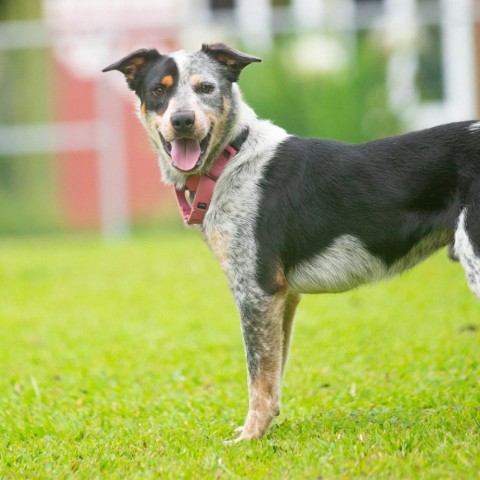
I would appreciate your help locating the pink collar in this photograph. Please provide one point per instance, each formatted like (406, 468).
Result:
(202, 188)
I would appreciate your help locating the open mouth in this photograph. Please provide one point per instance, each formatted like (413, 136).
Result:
(186, 153)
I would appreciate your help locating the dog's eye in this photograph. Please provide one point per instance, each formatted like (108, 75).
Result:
(206, 88)
(159, 91)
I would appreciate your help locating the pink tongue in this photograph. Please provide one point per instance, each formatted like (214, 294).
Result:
(185, 153)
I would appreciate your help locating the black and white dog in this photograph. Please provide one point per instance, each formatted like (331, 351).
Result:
(286, 215)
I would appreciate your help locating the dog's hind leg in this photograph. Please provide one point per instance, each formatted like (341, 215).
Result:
(262, 326)
(467, 244)
(291, 304)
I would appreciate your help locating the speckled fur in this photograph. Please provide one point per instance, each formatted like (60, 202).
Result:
(469, 259)
(260, 222)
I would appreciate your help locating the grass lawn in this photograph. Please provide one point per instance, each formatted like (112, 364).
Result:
(125, 361)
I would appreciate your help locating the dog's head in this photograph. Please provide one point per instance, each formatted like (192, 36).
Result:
(185, 102)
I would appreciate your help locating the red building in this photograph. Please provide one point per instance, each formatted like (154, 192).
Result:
(107, 171)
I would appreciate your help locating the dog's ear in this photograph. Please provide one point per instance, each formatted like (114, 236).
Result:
(132, 64)
(232, 59)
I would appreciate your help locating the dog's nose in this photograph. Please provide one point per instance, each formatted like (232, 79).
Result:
(183, 122)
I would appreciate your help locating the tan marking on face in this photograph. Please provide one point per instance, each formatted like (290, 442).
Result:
(167, 81)
(143, 109)
(196, 79)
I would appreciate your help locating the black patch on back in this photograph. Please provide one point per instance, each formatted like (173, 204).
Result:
(389, 193)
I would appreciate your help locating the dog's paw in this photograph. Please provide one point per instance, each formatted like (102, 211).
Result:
(241, 438)
(238, 431)
(229, 443)
(245, 435)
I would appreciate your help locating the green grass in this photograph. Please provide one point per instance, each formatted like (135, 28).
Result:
(125, 361)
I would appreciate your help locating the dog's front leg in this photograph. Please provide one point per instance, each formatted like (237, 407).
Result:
(262, 327)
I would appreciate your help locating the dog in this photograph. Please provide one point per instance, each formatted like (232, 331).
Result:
(286, 215)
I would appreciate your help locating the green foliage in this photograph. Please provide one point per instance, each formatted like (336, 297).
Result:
(349, 105)
(125, 361)
(27, 182)
(28, 197)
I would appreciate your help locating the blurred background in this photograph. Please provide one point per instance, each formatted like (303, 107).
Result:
(73, 156)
